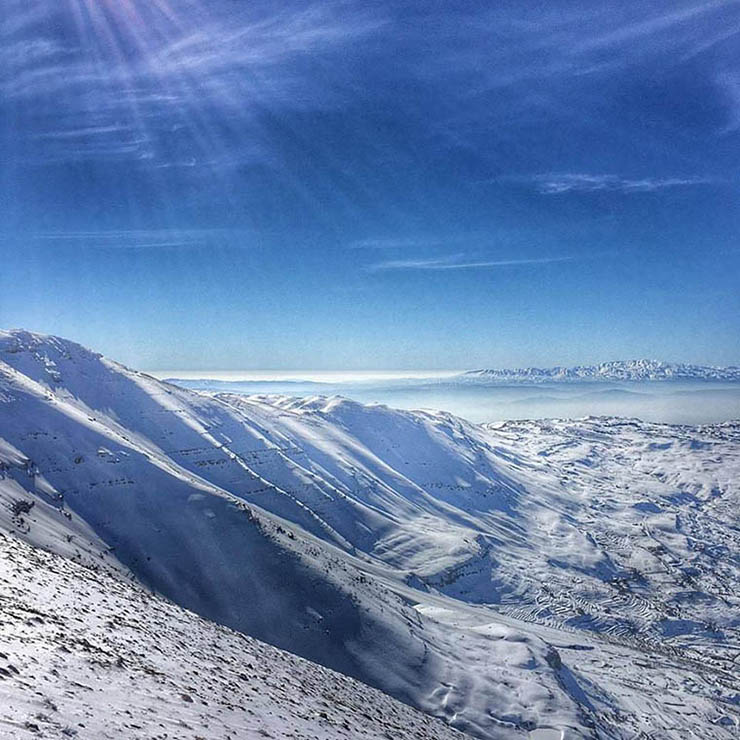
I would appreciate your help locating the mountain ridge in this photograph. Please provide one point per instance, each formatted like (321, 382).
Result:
(617, 370)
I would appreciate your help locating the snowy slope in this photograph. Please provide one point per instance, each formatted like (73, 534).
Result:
(629, 370)
(84, 654)
(510, 578)
(175, 485)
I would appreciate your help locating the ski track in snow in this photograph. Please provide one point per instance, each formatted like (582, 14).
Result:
(543, 579)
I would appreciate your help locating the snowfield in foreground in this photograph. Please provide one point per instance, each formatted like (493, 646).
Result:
(84, 654)
(544, 580)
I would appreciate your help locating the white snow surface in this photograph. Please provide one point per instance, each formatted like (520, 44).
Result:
(526, 579)
(88, 655)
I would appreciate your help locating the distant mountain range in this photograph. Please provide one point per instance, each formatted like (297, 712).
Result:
(629, 370)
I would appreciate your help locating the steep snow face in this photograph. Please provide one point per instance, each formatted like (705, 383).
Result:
(508, 578)
(97, 450)
(630, 370)
(87, 655)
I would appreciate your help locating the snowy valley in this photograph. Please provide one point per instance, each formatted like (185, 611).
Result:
(536, 579)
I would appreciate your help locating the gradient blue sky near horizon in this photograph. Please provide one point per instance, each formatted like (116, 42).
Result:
(346, 185)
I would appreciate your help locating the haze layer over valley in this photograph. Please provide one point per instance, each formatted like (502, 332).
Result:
(543, 579)
(646, 389)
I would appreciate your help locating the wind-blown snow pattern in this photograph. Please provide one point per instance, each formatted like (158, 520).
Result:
(562, 579)
(630, 370)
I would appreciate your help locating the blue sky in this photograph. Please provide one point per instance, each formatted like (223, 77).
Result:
(237, 185)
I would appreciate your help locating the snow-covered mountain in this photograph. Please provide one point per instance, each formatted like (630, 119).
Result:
(525, 579)
(630, 370)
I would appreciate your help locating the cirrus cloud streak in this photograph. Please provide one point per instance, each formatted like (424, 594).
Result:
(552, 184)
(461, 262)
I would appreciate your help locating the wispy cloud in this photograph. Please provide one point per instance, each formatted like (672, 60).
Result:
(143, 238)
(83, 132)
(105, 141)
(263, 43)
(460, 262)
(647, 28)
(407, 242)
(553, 184)
(129, 68)
(730, 85)
(549, 63)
